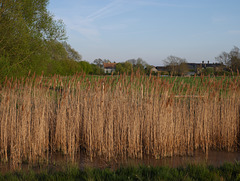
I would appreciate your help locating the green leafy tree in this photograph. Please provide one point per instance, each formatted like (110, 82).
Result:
(96, 70)
(85, 67)
(125, 67)
(72, 54)
(27, 29)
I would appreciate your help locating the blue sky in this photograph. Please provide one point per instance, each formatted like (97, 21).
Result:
(118, 30)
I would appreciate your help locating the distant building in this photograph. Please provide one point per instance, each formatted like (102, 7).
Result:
(196, 68)
(109, 67)
(210, 65)
(153, 69)
(163, 70)
(193, 67)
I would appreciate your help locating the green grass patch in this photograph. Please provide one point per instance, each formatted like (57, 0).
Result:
(228, 171)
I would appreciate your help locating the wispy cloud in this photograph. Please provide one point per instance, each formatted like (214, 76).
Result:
(107, 10)
(87, 26)
(84, 28)
(113, 27)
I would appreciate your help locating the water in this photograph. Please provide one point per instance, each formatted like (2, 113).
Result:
(215, 158)
(57, 161)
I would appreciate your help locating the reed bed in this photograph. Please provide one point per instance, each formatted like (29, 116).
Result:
(117, 117)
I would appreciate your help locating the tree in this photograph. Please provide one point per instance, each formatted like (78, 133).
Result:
(125, 67)
(96, 70)
(183, 68)
(72, 54)
(231, 59)
(138, 64)
(98, 62)
(176, 65)
(56, 50)
(138, 61)
(27, 29)
(106, 61)
(85, 67)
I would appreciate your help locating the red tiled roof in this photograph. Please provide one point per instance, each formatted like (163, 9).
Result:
(109, 65)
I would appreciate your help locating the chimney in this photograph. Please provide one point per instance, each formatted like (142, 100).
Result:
(208, 62)
(202, 62)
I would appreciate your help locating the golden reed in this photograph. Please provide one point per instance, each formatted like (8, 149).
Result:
(117, 117)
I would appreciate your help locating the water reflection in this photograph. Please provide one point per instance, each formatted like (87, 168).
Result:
(215, 158)
(58, 161)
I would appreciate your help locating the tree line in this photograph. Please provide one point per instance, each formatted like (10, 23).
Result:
(131, 65)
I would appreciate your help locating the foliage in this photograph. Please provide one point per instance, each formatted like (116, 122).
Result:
(133, 65)
(85, 67)
(26, 27)
(125, 67)
(72, 54)
(96, 70)
(138, 65)
(32, 41)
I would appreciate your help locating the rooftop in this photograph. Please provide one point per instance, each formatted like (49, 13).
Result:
(109, 65)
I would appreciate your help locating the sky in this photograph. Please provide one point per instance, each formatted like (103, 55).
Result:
(119, 30)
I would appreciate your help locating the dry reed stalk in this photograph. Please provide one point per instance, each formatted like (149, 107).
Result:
(116, 118)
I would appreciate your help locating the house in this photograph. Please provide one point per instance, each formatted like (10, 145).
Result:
(109, 67)
(163, 70)
(198, 67)
(153, 69)
(193, 67)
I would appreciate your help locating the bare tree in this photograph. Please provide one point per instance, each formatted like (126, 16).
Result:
(138, 64)
(106, 61)
(231, 59)
(98, 62)
(176, 65)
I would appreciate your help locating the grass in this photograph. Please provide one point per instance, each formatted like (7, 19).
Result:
(228, 171)
(117, 116)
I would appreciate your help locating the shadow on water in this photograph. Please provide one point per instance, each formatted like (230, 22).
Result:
(215, 158)
(58, 162)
